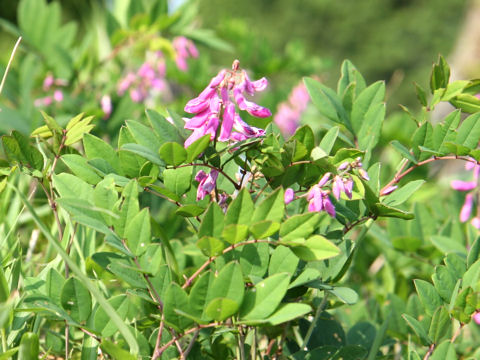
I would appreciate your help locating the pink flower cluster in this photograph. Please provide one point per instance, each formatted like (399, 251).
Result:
(52, 85)
(184, 48)
(318, 196)
(469, 186)
(206, 184)
(216, 107)
(150, 76)
(289, 112)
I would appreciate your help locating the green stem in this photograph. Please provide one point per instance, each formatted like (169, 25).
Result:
(320, 308)
(4, 340)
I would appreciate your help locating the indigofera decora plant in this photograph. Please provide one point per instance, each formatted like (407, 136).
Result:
(211, 237)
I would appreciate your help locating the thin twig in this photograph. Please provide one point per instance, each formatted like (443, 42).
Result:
(158, 353)
(235, 184)
(429, 352)
(400, 174)
(191, 344)
(9, 63)
(189, 281)
(320, 308)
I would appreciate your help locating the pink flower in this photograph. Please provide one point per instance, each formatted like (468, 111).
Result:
(219, 97)
(289, 112)
(463, 185)
(476, 222)
(476, 317)
(48, 82)
(106, 104)
(184, 48)
(319, 201)
(206, 183)
(289, 196)
(466, 208)
(389, 190)
(58, 95)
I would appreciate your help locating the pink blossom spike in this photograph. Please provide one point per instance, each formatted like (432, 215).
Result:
(463, 185)
(201, 175)
(363, 174)
(48, 82)
(389, 190)
(338, 187)
(466, 210)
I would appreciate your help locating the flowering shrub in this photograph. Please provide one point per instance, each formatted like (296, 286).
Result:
(214, 237)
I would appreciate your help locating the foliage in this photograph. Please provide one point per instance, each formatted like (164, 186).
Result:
(133, 237)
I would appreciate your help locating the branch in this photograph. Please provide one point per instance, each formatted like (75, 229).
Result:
(213, 258)
(400, 173)
(235, 184)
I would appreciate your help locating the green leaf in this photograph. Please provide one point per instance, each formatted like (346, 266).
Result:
(29, 347)
(241, 209)
(212, 222)
(144, 152)
(444, 281)
(54, 283)
(173, 153)
(313, 249)
(288, 312)
(446, 244)
(176, 298)
(97, 148)
(418, 328)
(440, 74)
(221, 308)
(283, 260)
(163, 128)
(228, 283)
(190, 210)
(17, 147)
(235, 233)
(328, 140)
(467, 103)
(69, 186)
(116, 352)
(444, 351)
(198, 295)
(265, 298)
(210, 246)
(404, 151)
(254, 259)
(138, 232)
(144, 136)
(327, 102)
(77, 131)
(272, 208)
(178, 180)
(423, 136)
(4, 288)
(440, 325)
(346, 295)
(264, 229)
(80, 167)
(350, 75)
(401, 195)
(367, 99)
(421, 94)
(429, 297)
(304, 135)
(388, 211)
(197, 147)
(76, 299)
(474, 252)
(299, 226)
(468, 134)
(370, 129)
